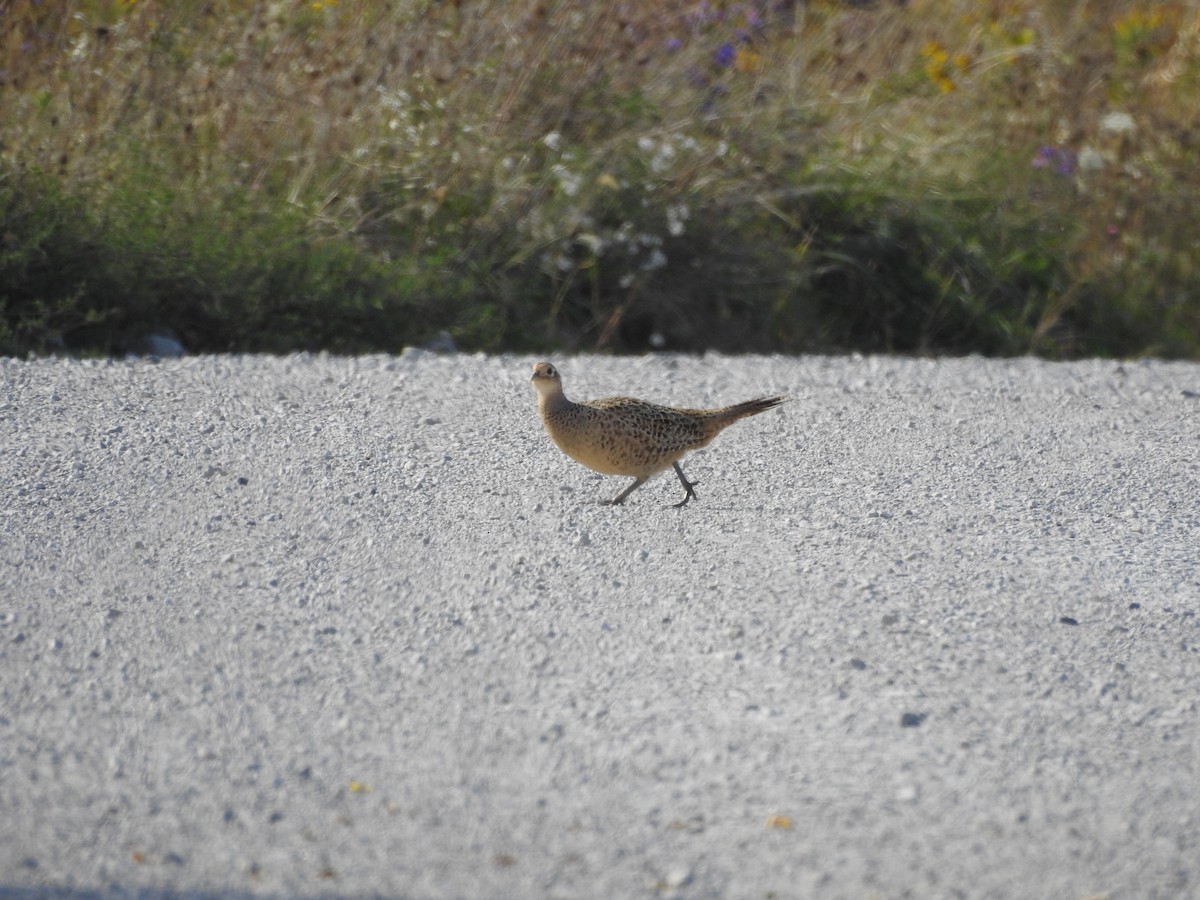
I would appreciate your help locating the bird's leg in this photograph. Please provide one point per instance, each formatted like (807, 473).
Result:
(687, 486)
(620, 498)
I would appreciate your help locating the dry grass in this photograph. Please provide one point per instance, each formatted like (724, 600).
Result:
(936, 176)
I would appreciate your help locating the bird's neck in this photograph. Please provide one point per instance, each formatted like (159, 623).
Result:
(553, 402)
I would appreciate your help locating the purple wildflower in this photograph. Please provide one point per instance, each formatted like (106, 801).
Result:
(725, 56)
(673, 44)
(1066, 163)
(1062, 161)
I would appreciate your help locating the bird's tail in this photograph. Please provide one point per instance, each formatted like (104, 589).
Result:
(729, 414)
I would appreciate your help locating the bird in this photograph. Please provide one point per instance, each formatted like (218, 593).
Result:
(624, 436)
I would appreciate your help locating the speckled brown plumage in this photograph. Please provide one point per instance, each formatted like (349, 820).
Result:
(624, 436)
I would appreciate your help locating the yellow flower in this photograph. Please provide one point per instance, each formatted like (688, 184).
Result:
(747, 61)
(935, 53)
(935, 66)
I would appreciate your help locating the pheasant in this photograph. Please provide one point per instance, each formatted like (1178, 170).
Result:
(624, 436)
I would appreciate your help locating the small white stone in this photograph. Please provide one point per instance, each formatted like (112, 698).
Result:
(677, 877)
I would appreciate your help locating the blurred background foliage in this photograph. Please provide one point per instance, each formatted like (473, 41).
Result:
(1000, 177)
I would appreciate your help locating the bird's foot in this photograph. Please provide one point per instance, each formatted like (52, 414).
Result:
(687, 485)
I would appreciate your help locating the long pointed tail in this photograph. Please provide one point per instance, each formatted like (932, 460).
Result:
(726, 415)
(729, 414)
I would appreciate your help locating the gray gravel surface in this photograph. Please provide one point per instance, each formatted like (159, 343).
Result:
(326, 626)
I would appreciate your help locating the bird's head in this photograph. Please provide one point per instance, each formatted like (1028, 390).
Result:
(546, 379)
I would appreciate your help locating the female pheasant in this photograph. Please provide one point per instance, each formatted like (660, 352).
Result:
(624, 436)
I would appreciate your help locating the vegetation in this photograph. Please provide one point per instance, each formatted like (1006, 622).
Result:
(1007, 177)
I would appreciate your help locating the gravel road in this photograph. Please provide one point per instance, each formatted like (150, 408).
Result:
(351, 627)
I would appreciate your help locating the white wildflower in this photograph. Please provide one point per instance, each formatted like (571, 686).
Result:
(394, 99)
(1091, 159)
(593, 242)
(568, 182)
(1118, 123)
(663, 159)
(657, 260)
(677, 215)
